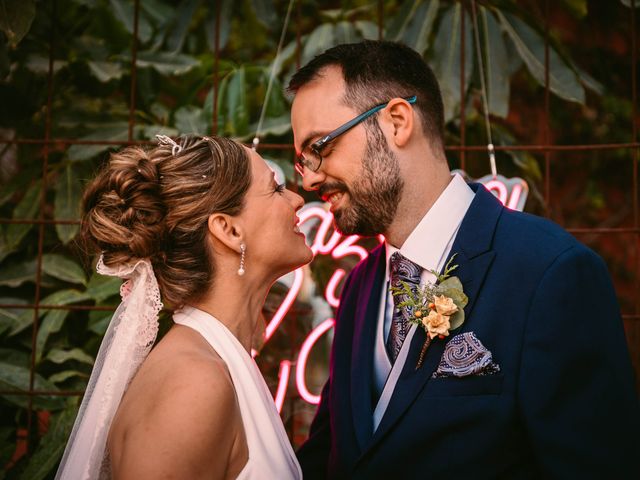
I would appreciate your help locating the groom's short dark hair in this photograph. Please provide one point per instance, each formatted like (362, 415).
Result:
(375, 72)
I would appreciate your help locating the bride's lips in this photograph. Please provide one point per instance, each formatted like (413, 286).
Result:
(296, 226)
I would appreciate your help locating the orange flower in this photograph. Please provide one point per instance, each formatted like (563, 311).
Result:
(445, 305)
(436, 324)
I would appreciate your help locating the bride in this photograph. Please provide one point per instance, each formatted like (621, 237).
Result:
(203, 227)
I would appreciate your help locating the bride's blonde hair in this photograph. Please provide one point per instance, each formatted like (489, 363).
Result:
(154, 204)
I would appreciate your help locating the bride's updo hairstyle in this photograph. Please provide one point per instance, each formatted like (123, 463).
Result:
(155, 204)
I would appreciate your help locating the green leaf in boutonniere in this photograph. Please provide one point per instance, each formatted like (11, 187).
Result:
(436, 307)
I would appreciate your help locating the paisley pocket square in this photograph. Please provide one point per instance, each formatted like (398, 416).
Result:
(465, 355)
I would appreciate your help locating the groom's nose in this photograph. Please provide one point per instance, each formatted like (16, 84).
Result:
(312, 180)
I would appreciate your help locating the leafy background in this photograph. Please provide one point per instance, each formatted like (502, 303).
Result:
(180, 86)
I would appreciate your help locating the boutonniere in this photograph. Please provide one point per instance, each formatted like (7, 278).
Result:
(437, 307)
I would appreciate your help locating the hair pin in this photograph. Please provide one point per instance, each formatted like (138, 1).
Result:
(164, 140)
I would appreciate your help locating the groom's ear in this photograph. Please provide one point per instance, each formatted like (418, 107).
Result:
(226, 230)
(400, 116)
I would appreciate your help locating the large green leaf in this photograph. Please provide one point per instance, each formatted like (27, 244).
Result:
(61, 297)
(16, 378)
(225, 7)
(18, 182)
(63, 268)
(271, 126)
(266, 12)
(123, 11)
(65, 297)
(180, 25)
(10, 317)
(368, 30)
(190, 119)
(318, 41)
(158, 11)
(563, 81)
(588, 81)
(67, 202)
(236, 103)
(285, 54)
(150, 131)
(63, 376)
(57, 355)
(52, 323)
(419, 29)
(400, 21)
(167, 63)
(99, 321)
(25, 210)
(496, 64)
(101, 287)
(14, 356)
(344, 32)
(15, 275)
(16, 17)
(105, 71)
(447, 61)
(39, 64)
(52, 444)
(112, 132)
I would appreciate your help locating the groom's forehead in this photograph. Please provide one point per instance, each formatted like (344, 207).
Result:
(319, 106)
(323, 91)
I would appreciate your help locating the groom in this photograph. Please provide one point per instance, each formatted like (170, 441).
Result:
(537, 381)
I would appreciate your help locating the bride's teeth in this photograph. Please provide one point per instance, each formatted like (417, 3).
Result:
(296, 229)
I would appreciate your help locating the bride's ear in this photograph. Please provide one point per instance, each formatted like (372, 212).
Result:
(226, 230)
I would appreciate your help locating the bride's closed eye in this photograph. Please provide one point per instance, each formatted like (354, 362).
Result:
(280, 188)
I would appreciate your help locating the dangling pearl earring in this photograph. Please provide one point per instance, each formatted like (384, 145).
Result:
(243, 249)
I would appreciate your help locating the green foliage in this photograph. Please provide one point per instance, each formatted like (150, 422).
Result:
(46, 458)
(15, 19)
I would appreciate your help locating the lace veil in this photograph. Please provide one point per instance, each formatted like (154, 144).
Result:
(127, 342)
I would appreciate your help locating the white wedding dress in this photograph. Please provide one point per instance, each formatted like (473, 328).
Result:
(270, 454)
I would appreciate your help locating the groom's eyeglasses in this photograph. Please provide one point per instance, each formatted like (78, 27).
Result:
(311, 156)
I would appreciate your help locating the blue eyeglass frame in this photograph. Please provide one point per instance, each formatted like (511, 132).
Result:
(316, 147)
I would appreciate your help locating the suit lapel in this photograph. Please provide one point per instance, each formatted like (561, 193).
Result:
(474, 257)
(366, 319)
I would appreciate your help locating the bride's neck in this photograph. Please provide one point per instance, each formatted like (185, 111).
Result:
(237, 303)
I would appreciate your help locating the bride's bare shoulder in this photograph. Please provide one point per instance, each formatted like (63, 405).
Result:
(182, 404)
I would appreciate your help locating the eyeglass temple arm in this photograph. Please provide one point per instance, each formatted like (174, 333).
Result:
(352, 123)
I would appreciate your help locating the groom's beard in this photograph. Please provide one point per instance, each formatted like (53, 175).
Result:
(373, 197)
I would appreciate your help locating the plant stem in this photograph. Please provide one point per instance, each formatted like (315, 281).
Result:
(423, 352)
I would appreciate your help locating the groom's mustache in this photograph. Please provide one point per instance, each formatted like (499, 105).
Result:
(333, 187)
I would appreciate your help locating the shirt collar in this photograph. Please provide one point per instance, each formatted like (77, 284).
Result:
(430, 238)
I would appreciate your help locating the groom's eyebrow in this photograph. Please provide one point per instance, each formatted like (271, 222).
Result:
(309, 138)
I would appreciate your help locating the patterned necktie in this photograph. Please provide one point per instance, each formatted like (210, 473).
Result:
(401, 269)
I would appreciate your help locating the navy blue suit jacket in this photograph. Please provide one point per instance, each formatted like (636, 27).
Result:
(564, 404)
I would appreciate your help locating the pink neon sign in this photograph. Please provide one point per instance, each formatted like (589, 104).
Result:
(301, 367)
(327, 241)
(512, 192)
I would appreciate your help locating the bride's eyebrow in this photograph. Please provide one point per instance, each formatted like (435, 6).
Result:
(270, 181)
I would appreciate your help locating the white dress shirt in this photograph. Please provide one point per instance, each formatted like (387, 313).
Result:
(428, 245)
